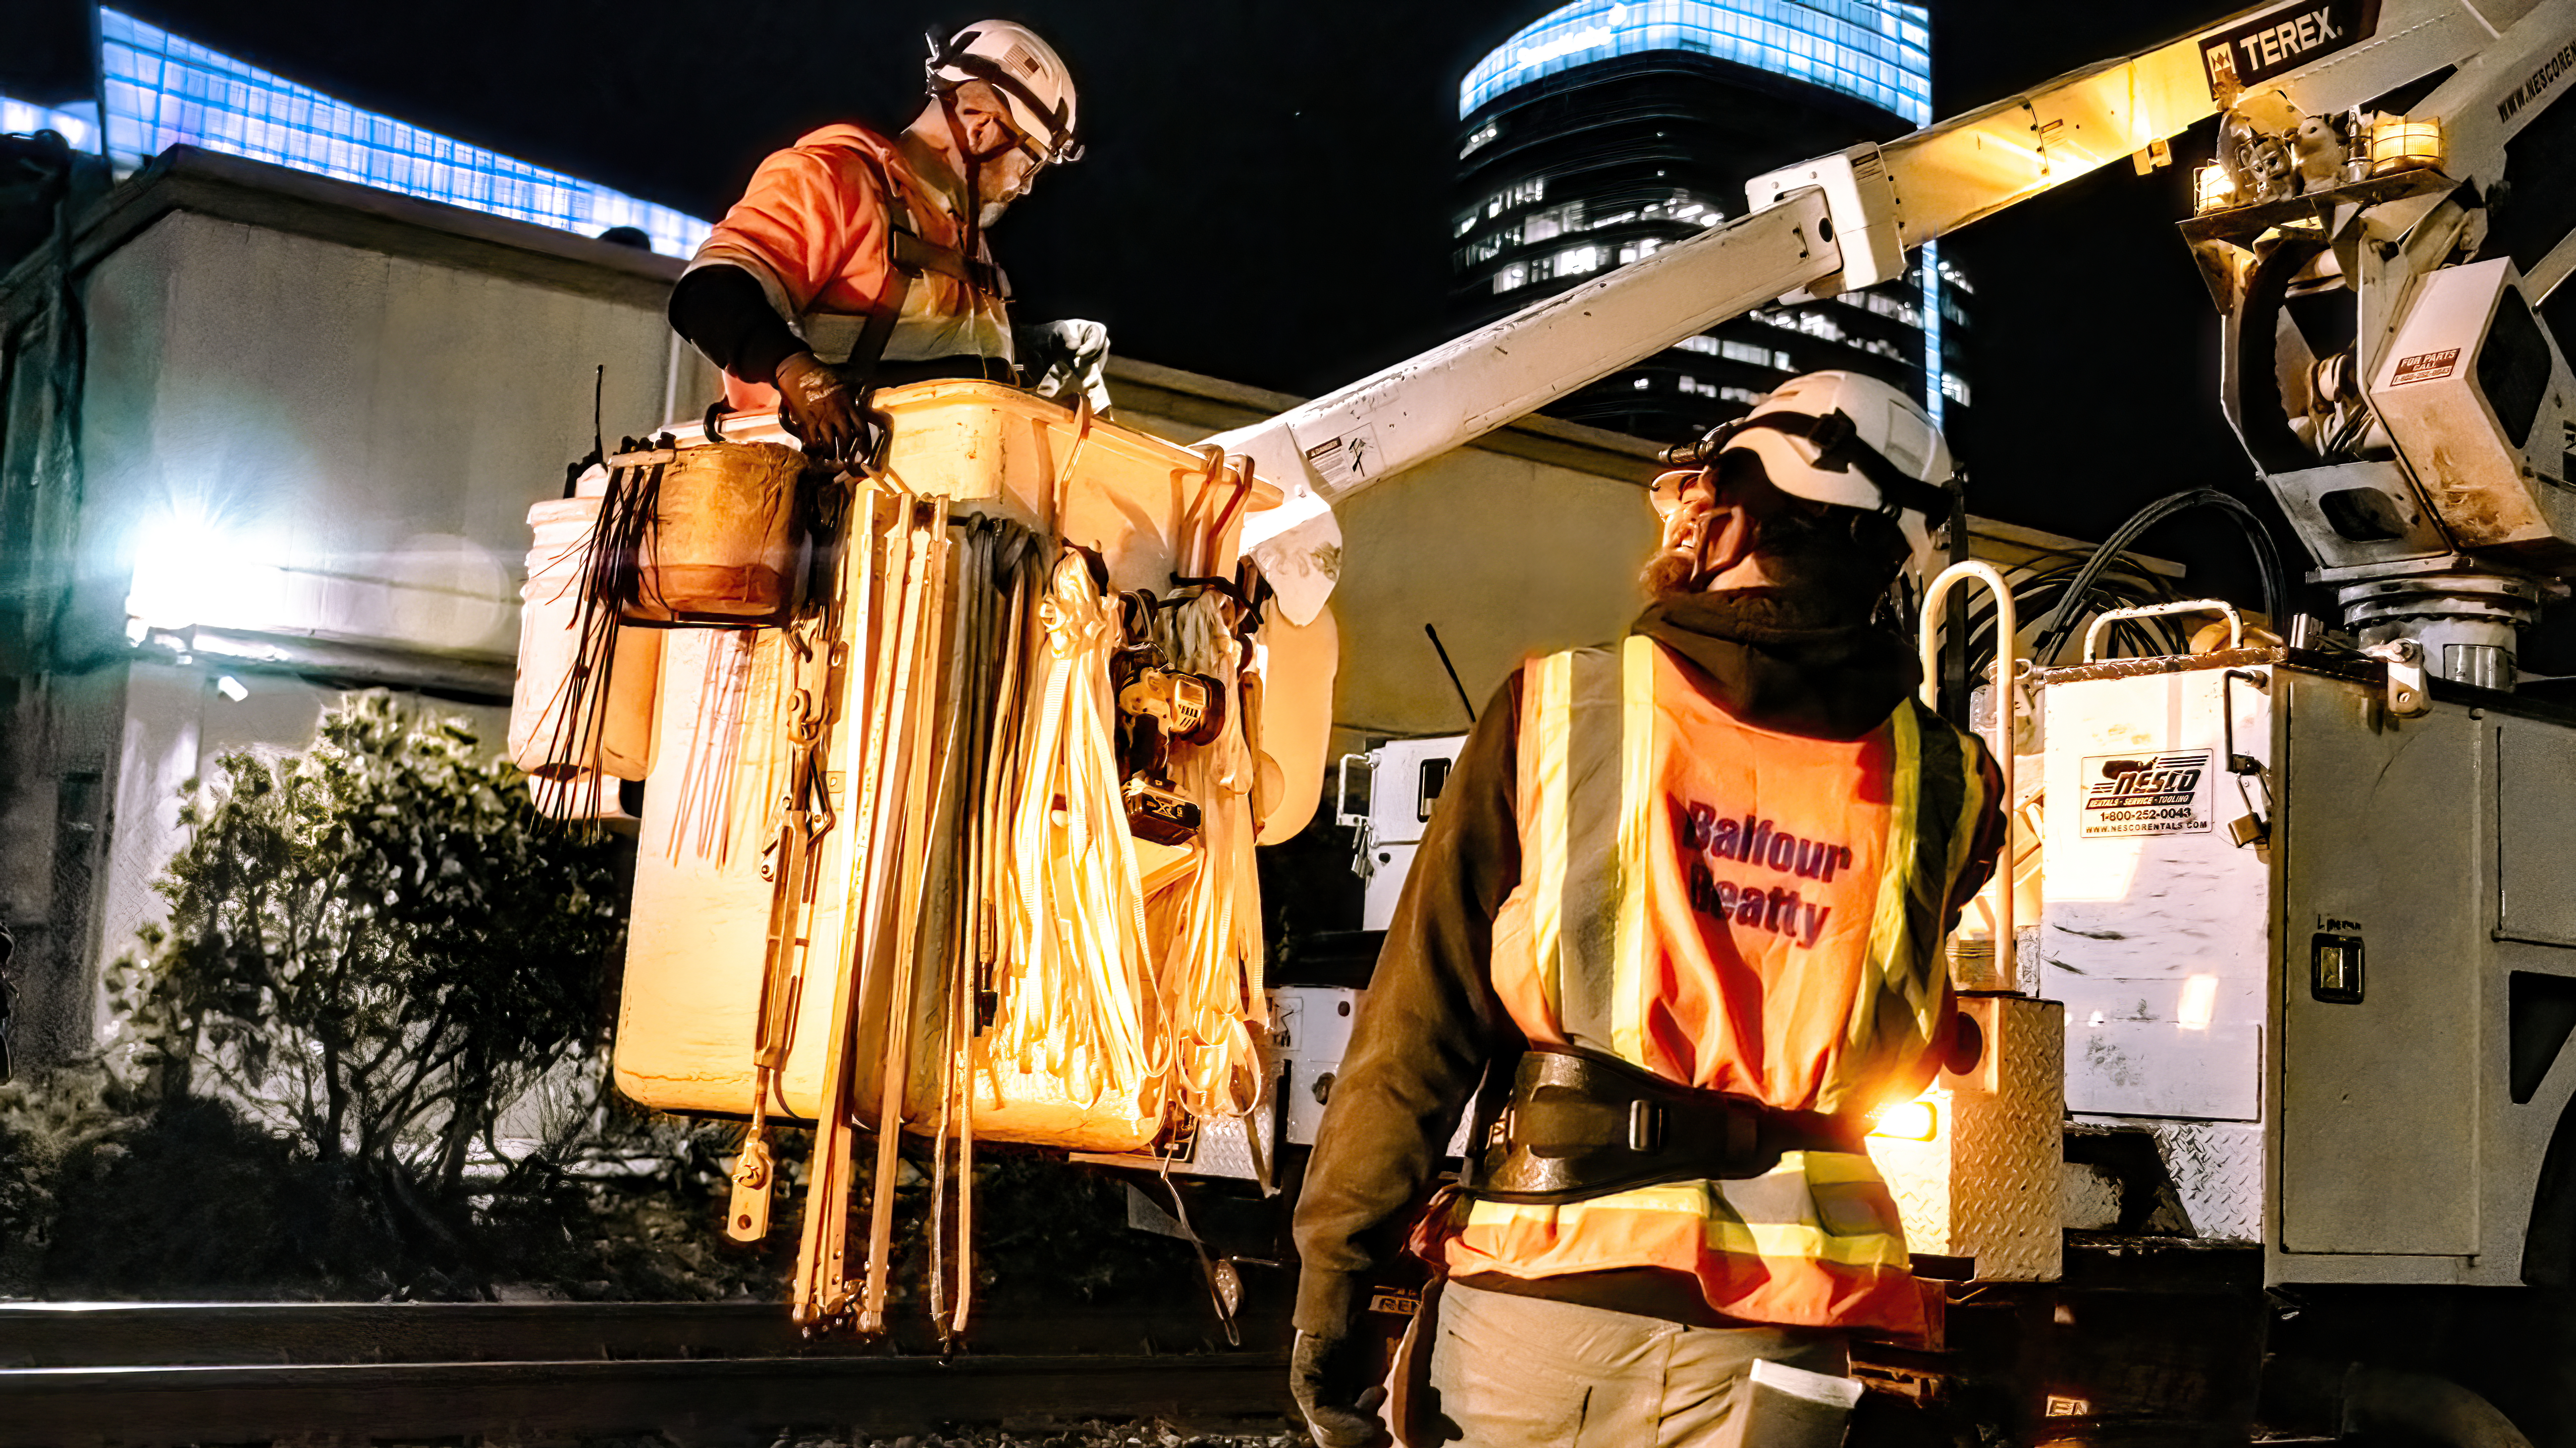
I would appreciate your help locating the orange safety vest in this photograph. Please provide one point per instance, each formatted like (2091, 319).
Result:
(815, 230)
(1738, 911)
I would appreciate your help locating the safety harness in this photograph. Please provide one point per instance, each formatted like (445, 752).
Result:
(911, 255)
(1581, 1125)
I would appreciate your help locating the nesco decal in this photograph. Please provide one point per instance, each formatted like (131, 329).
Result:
(2278, 41)
(2146, 794)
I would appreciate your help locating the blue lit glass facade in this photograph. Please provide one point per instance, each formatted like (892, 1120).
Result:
(1871, 51)
(1603, 131)
(164, 91)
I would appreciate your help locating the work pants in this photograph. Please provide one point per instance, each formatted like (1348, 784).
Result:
(1509, 1371)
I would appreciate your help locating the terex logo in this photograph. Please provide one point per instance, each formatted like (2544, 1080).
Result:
(2282, 40)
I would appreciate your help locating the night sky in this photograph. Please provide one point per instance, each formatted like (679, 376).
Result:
(1268, 186)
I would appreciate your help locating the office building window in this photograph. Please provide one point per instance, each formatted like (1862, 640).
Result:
(163, 91)
(1554, 221)
(1878, 51)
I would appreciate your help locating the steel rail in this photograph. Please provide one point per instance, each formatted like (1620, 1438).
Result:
(113, 1373)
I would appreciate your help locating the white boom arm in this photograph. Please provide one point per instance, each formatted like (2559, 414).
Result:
(1453, 394)
(1838, 222)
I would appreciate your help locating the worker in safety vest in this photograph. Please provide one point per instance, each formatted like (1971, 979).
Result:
(853, 259)
(1681, 906)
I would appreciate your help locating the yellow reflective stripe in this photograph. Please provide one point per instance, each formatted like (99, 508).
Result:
(1890, 962)
(1963, 834)
(1637, 799)
(1837, 1168)
(1720, 1220)
(1916, 972)
(1797, 1239)
(1554, 712)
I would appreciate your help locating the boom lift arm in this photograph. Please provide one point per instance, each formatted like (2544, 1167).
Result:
(1847, 220)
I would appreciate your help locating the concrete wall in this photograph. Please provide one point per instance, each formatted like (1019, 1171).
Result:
(1525, 542)
(313, 412)
(302, 436)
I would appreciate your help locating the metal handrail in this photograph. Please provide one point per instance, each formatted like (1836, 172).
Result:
(2103, 620)
(2007, 627)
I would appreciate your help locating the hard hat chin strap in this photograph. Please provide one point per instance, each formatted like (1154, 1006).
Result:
(972, 222)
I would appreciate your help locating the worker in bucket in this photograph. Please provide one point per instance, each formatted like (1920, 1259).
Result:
(1681, 908)
(855, 260)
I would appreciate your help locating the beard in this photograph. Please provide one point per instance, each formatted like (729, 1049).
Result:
(1670, 575)
(1819, 570)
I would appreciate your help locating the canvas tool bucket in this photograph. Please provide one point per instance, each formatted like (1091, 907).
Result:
(722, 545)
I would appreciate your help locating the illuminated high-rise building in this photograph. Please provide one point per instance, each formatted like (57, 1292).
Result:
(1605, 130)
(160, 90)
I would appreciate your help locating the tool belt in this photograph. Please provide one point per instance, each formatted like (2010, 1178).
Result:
(1581, 1125)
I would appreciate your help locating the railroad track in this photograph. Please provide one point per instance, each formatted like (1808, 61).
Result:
(82, 1374)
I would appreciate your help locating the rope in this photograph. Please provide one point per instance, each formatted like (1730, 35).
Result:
(1211, 966)
(1077, 1007)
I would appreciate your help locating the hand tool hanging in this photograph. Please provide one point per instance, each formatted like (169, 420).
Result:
(805, 816)
(873, 575)
(924, 776)
(996, 557)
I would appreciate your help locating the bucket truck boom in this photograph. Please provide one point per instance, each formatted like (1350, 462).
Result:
(1842, 221)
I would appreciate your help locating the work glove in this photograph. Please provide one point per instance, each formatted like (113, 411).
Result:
(818, 407)
(1336, 1384)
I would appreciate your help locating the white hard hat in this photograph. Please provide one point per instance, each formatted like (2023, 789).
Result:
(1848, 439)
(1031, 77)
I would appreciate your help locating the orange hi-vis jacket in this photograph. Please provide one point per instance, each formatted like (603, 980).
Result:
(1738, 911)
(815, 230)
